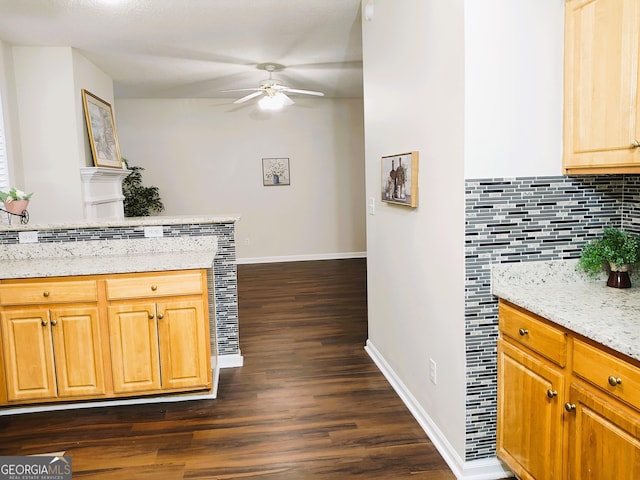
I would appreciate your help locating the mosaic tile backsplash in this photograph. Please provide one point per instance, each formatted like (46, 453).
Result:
(518, 220)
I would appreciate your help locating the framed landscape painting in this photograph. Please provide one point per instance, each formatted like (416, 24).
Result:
(400, 179)
(102, 131)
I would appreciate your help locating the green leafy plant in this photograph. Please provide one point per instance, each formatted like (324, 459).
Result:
(139, 201)
(14, 194)
(616, 247)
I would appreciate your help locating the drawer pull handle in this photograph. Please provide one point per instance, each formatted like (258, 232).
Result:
(160, 316)
(635, 144)
(151, 316)
(552, 393)
(523, 332)
(154, 288)
(570, 407)
(54, 323)
(44, 323)
(615, 381)
(45, 294)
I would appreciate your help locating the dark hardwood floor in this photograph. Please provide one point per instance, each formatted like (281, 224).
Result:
(307, 404)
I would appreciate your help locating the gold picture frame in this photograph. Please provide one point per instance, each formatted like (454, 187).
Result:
(400, 179)
(102, 131)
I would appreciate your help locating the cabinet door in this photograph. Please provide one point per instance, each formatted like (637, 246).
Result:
(529, 433)
(184, 344)
(604, 437)
(133, 337)
(28, 354)
(601, 86)
(78, 353)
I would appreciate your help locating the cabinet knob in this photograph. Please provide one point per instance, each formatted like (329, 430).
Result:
(552, 393)
(54, 323)
(45, 294)
(151, 316)
(615, 381)
(160, 316)
(635, 144)
(523, 332)
(154, 288)
(44, 323)
(570, 407)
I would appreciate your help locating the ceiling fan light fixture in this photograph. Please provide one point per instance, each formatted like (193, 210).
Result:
(271, 102)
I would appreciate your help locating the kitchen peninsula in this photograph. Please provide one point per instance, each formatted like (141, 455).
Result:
(114, 255)
(568, 373)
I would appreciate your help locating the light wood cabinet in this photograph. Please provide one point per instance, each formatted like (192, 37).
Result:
(587, 427)
(531, 386)
(162, 344)
(603, 437)
(602, 106)
(52, 350)
(104, 336)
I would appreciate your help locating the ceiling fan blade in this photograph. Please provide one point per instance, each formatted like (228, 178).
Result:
(304, 92)
(249, 97)
(285, 99)
(242, 90)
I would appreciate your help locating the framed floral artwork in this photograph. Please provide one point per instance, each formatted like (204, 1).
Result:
(400, 179)
(102, 131)
(275, 172)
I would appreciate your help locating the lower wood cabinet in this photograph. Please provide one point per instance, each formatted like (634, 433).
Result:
(104, 336)
(52, 353)
(569, 415)
(530, 445)
(603, 437)
(159, 345)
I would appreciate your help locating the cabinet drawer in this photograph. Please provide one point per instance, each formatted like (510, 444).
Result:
(607, 372)
(151, 286)
(540, 337)
(48, 292)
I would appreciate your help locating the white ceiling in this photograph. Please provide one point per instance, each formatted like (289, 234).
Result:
(196, 48)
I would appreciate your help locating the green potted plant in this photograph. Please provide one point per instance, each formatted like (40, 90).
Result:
(139, 201)
(618, 249)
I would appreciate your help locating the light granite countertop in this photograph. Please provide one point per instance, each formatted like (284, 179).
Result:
(556, 291)
(126, 222)
(106, 257)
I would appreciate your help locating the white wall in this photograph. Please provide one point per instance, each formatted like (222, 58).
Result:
(476, 88)
(414, 100)
(10, 115)
(205, 156)
(513, 90)
(51, 126)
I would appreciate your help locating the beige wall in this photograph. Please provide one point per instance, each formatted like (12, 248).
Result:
(444, 77)
(205, 156)
(414, 100)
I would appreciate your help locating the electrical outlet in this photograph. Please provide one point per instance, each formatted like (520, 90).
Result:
(153, 232)
(432, 370)
(247, 241)
(371, 206)
(28, 237)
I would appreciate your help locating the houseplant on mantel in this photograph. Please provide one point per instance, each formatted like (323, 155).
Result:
(618, 249)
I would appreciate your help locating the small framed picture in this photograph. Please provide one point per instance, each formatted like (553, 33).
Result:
(400, 179)
(102, 131)
(275, 172)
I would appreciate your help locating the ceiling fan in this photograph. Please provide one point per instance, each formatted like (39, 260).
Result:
(273, 91)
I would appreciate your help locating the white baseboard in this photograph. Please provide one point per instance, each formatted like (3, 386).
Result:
(301, 258)
(230, 361)
(484, 469)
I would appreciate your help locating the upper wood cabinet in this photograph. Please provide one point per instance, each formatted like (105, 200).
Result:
(601, 101)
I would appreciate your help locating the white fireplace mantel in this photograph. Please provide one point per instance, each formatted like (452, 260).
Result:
(102, 192)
